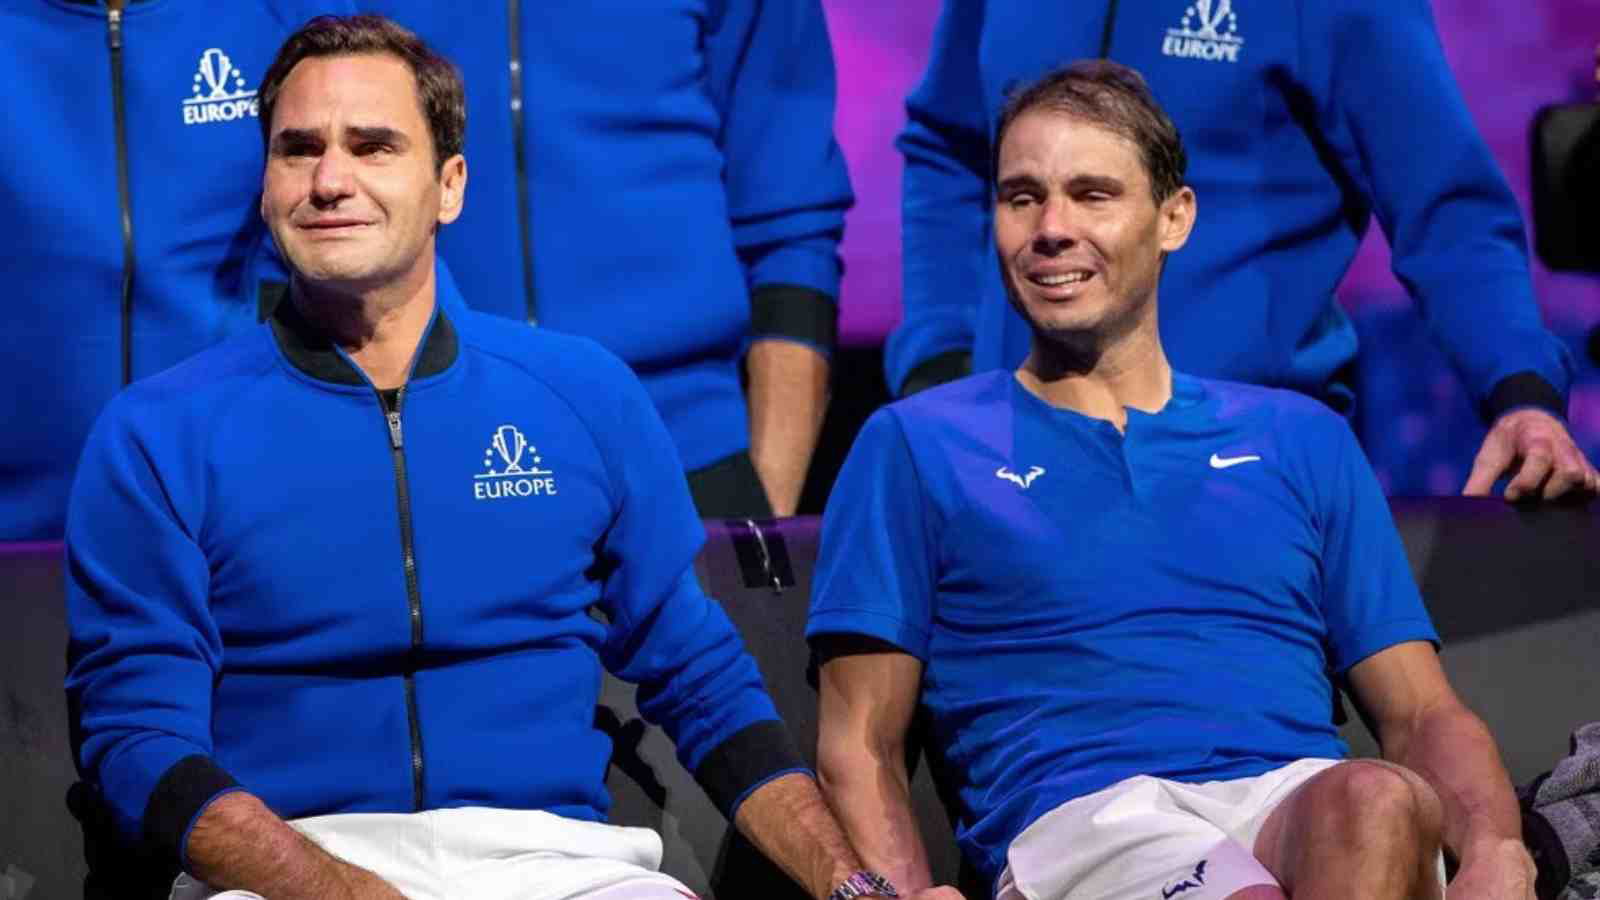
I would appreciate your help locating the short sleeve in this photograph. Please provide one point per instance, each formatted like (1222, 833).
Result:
(875, 572)
(1370, 600)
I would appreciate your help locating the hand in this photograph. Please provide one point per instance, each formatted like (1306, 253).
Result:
(1502, 872)
(1536, 449)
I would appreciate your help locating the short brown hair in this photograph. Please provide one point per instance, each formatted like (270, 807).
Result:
(439, 88)
(1115, 97)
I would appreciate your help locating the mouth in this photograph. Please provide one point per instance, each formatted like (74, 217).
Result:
(1064, 284)
(332, 226)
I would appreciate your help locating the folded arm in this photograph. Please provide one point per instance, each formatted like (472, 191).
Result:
(867, 701)
(1422, 725)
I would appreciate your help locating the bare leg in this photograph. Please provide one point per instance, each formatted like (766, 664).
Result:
(1363, 828)
(1258, 892)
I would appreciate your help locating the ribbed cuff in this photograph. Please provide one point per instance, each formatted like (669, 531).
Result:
(929, 373)
(754, 755)
(798, 313)
(179, 797)
(1521, 390)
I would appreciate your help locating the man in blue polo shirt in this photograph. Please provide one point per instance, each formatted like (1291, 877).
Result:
(1116, 590)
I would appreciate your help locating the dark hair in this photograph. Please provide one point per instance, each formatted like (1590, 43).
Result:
(439, 89)
(1115, 97)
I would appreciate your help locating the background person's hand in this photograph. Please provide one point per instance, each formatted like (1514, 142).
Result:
(1535, 448)
(936, 893)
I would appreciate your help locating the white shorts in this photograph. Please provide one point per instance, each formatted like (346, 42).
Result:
(487, 854)
(1152, 839)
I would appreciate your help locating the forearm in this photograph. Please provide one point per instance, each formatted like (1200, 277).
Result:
(788, 395)
(1453, 751)
(239, 844)
(787, 819)
(872, 800)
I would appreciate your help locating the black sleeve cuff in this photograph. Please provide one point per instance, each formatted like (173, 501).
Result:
(829, 646)
(750, 757)
(936, 371)
(1523, 389)
(797, 313)
(179, 796)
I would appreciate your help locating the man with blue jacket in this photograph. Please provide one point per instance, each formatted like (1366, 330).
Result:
(341, 587)
(1114, 592)
(131, 239)
(663, 178)
(1303, 120)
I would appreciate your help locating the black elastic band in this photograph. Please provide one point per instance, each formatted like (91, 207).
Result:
(791, 311)
(752, 755)
(1523, 389)
(936, 371)
(179, 796)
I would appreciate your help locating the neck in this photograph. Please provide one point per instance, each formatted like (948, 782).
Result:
(1100, 382)
(379, 328)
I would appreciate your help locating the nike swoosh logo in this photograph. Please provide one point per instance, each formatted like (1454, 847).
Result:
(1225, 462)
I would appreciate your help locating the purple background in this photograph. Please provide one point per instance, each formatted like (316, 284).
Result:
(1510, 58)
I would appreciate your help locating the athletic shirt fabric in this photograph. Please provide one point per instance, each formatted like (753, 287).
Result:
(1090, 606)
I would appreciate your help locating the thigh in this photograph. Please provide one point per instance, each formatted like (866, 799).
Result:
(546, 876)
(1129, 840)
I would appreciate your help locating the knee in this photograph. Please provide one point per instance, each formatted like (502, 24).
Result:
(1373, 795)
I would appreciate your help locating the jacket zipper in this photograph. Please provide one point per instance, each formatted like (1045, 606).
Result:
(118, 107)
(520, 142)
(1111, 25)
(413, 594)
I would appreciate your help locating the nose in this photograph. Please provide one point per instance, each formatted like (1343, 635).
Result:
(1055, 229)
(332, 180)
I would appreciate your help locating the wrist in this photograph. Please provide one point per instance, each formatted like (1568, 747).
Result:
(862, 883)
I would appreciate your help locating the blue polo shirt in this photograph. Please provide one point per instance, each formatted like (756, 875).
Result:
(1092, 605)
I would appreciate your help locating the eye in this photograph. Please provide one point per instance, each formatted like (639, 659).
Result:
(1021, 200)
(373, 148)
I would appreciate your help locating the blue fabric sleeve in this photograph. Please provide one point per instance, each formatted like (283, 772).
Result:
(1386, 95)
(875, 565)
(695, 679)
(944, 216)
(1370, 601)
(143, 650)
(771, 69)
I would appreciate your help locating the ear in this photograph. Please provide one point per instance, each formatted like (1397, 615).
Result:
(1176, 218)
(453, 188)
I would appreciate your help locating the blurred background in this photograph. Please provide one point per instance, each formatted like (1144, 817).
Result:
(1510, 59)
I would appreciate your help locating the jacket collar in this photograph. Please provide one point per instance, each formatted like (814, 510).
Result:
(311, 351)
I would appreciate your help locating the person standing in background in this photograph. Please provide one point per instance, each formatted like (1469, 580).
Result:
(663, 178)
(1303, 120)
(133, 237)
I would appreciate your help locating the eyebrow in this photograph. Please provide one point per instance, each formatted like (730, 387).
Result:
(379, 134)
(361, 134)
(1075, 185)
(1019, 183)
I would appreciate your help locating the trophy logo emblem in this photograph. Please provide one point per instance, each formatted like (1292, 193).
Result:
(511, 468)
(219, 94)
(1209, 30)
(509, 443)
(1208, 20)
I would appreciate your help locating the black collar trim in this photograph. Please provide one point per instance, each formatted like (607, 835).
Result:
(313, 353)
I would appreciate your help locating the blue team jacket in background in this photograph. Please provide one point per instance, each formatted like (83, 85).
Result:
(194, 167)
(275, 583)
(678, 164)
(1302, 120)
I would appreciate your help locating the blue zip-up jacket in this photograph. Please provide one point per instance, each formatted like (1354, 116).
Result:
(193, 161)
(679, 185)
(1302, 120)
(275, 585)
